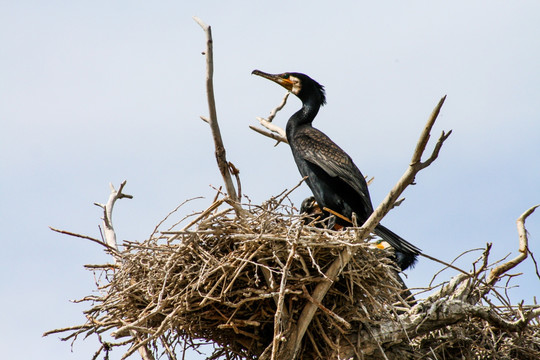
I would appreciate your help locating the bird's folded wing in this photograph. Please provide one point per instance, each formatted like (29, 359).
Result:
(320, 150)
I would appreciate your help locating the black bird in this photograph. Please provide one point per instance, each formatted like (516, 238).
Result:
(334, 179)
(315, 216)
(313, 213)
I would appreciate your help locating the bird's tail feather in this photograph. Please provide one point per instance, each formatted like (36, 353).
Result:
(406, 252)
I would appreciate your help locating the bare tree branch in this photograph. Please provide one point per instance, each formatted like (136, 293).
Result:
(278, 108)
(110, 248)
(276, 133)
(109, 233)
(271, 135)
(110, 239)
(424, 137)
(213, 122)
(234, 171)
(495, 274)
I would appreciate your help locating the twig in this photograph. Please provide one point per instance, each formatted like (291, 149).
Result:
(445, 264)
(451, 262)
(276, 133)
(278, 108)
(205, 213)
(284, 196)
(535, 264)
(110, 248)
(424, 137)
(170, 213)
(279, 133)
(325, 309)
(271, 135)
(236, 174)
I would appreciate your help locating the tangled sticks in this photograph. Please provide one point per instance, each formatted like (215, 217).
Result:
(240, 284)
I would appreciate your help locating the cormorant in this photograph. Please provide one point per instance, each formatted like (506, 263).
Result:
(332, 176)
(314, 215)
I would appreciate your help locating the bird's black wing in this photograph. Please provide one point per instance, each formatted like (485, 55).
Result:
(317, 148)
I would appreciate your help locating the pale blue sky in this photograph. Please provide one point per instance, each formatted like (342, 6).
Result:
(94, 92)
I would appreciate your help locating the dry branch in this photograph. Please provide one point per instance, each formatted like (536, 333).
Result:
(113, 250)
(108, 229)
(276, 132)
(212, 120)
(495, 274)
(110, 239)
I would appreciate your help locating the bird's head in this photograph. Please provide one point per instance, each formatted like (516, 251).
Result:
(299, 84)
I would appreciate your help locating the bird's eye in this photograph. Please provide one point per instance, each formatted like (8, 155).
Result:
(285, 76)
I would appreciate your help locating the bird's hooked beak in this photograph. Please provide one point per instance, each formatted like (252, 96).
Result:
(281, 79)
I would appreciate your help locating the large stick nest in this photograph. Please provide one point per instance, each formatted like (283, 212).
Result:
(220, 277)
(220, 281)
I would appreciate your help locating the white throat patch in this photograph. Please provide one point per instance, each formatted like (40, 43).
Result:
(297, 85)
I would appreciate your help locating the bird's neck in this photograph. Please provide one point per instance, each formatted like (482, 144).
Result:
(303, 117)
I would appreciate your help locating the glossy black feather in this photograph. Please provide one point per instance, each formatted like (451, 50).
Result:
(334, 179)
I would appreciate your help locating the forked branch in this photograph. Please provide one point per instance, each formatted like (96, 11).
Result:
(108, 229)
(496, 273)
(276, 132)
(110, 239)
